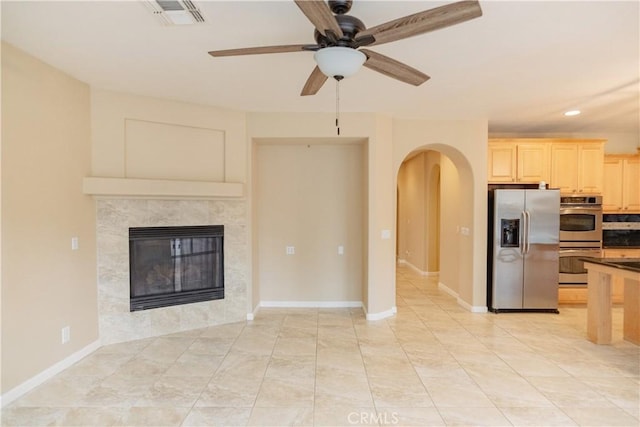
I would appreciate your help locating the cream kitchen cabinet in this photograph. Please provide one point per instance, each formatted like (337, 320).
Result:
(502, 162)
(621, 183)
(517, 161)
(577, 166)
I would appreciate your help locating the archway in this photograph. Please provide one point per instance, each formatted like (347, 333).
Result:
(438, 179)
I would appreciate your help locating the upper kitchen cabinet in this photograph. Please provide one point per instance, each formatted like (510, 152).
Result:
(517, 161)
(621, 183)
(577, 166)
(502, 162)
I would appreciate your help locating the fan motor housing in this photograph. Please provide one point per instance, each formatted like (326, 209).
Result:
(350, 26)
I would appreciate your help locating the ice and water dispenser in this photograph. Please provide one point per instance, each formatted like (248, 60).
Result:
(510, 233)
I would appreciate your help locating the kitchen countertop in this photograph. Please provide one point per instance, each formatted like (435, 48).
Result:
(629, 264)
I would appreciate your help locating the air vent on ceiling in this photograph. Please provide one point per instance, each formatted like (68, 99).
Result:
(176, 12)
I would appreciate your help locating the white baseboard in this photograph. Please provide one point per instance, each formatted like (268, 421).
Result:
(330, 304)
(461, 302)
(312, 304)
(416, 269)
(381, 315)
(48, 373)
(254, 313)
(472, 308)
(479, 309)
(447, 290)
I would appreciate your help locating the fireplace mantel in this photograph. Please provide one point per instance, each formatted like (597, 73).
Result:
(154, 188)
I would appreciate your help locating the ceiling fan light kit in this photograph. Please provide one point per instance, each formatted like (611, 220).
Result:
(337, 61)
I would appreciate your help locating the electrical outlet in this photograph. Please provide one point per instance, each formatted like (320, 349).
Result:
(291, 250)
(340, 250)
(66, 334)
(74, 244)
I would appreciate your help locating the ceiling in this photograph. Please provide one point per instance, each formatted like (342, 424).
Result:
(520, 65)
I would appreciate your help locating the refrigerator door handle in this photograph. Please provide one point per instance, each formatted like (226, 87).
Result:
(527, 232)
(523, 237)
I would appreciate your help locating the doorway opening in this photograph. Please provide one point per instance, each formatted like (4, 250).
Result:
(438, 223)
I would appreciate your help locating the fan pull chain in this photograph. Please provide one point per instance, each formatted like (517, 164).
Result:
(338, 105)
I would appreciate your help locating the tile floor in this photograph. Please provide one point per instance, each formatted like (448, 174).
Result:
(432, 364)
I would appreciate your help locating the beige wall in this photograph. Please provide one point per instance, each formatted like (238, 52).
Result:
(121, 124)
(365, 224)
(382, 200)
(419, 212)
(434, 208)
(451, 262)
(412, 215)
(254, 296)
(46, 152)
(310, 196)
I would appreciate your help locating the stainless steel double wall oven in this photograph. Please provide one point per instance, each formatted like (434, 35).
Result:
(580, 236)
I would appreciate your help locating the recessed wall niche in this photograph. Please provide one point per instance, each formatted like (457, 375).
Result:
(169, 151)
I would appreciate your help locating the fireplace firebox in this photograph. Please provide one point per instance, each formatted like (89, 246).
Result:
(175, 265)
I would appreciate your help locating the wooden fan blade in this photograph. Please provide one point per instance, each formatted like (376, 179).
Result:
(259, 50)
(423, 22)
(318, 12)
(314, 82)
(394, 69)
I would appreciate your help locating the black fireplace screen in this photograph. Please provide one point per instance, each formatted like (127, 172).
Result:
(175, 265)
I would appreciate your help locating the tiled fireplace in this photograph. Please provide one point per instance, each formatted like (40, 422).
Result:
(114, 218)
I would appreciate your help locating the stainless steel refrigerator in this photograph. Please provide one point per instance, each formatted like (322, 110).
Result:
(524, 253)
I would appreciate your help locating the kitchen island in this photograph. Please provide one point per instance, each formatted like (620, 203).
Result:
(600, 274)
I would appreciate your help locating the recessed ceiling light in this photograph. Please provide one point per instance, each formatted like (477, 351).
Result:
(572, 113)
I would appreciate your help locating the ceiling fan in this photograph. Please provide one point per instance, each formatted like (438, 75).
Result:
(340, 37)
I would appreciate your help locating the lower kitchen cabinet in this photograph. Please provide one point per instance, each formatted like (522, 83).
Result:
(578, 294)
(572, 295)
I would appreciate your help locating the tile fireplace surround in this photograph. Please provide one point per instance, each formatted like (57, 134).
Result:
(115, 216)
